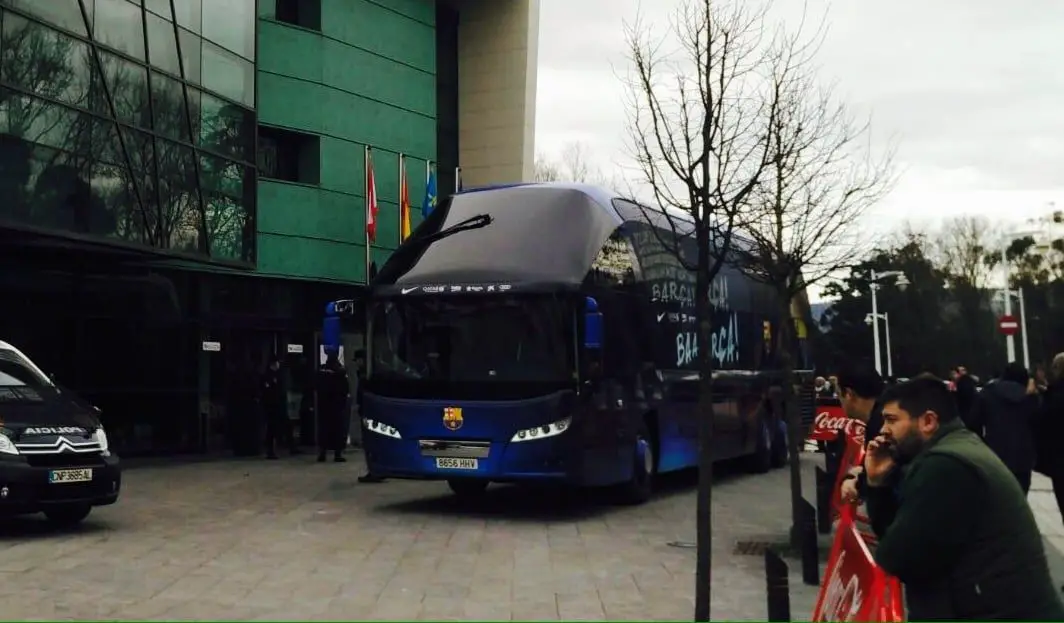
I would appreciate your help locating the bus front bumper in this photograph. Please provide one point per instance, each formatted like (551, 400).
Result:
(497, 461)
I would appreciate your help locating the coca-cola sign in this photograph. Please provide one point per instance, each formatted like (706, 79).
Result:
(854, 588)
(831, 420)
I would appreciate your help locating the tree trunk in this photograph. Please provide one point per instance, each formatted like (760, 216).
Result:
(790, 411)
(703, 514)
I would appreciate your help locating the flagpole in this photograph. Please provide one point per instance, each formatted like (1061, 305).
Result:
(365, 229)
(402, 185)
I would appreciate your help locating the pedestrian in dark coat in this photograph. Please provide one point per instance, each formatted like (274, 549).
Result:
(1004, 415)
(334, 399)
(961, 537)
(273, 401)
(1050, 429)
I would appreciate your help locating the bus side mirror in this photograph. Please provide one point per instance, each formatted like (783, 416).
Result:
(592, 325)
(330, 330)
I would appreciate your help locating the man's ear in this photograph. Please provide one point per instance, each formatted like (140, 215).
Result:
(928, 422)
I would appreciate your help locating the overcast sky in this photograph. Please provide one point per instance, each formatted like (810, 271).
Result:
(972, 92)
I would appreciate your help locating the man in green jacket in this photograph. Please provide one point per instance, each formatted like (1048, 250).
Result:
(960, 535)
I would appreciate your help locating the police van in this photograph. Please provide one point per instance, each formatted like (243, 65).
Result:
(54, 454)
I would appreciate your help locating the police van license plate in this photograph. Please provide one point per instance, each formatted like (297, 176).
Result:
(444, 462)
(62, 476)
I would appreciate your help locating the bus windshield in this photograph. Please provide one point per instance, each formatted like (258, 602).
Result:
(471, 347)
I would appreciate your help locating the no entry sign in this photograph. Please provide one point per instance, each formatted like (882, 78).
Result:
(1008, 325)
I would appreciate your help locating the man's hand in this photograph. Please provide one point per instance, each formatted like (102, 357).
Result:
(878, 462)
(849, 485)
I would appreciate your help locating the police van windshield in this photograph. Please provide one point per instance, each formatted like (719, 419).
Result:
(471, 347)
(19, 381)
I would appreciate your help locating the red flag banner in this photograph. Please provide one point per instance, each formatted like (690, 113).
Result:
(854, 587)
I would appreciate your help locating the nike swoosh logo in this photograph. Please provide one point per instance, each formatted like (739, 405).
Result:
(660, 316)
(409, 290)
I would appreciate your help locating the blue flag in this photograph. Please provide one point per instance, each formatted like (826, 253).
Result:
(429, 203)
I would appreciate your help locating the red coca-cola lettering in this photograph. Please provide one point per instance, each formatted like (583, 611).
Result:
(831, 420)
(855, 588)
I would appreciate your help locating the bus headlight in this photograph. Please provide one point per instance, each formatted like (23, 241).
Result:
(380, 428)
(6, 445)
(547, 430)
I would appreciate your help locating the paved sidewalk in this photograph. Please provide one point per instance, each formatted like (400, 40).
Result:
(295, 540)
(1044, 505)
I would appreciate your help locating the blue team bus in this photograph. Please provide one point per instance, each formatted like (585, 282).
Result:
(545, 332)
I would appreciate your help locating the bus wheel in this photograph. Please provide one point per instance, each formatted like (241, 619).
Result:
(761, 460)
(467, 488)
(641, 486)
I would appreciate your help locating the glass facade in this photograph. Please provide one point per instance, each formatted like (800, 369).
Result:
(131, 120)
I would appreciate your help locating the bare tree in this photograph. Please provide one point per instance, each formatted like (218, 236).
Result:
(802, 219)
(574, 165)
(698, 118)
(962, 245)
(544, 170)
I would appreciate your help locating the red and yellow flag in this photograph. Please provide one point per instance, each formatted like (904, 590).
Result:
(404, 201)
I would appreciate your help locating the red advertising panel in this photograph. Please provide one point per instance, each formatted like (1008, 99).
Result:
(831, 420)
(854, 587)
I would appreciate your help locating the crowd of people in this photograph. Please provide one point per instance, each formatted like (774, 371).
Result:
(945, 477)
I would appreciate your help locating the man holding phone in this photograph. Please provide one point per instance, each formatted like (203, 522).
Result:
(960, 536)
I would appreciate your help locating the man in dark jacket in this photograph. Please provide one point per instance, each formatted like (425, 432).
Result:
(859, 390)
(1004, 415)
(967, 390)
(961, 536)
(273, 398)
(334, 395)
(1050, 429)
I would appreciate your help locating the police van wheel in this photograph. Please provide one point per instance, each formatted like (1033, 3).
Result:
(641, 486)
(68, 515)
(468, 488)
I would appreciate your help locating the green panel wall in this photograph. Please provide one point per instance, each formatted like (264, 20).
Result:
(369, 78)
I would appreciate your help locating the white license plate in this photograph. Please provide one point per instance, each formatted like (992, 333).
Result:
(60, 476)
(444, 462)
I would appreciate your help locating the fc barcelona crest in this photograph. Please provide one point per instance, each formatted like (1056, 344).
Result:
(452, 418)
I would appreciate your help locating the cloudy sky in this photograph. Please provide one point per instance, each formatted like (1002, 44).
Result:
(971, 91)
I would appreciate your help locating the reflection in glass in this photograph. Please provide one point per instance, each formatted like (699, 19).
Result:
(188, 11)
(191, 55)
(118, 24)
(180, 219)
(43, 61)
(162, 49)
(227, 128)
(63, 197)
(168, 104)
(228, 207)
(231, 24)
(62, 13)
(228, 74)
(129, 90)
(38, 121)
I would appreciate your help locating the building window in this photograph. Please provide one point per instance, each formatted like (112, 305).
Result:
(305, 13)
(289, 156)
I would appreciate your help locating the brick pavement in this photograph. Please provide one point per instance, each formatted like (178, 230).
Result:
(297, 540)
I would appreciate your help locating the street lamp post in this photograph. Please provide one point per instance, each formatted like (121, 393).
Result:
(902, 282)
(1010, 343)
(885, 317)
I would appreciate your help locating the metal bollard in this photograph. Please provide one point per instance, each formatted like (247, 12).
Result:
(777, 587)
(823, 501)
(810, 545)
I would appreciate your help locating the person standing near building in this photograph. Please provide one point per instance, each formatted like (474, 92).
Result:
(1004, 415)
(334, 399)
(273, 399)
(960, 536)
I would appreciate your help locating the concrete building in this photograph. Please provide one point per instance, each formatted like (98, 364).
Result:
(183, 181)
